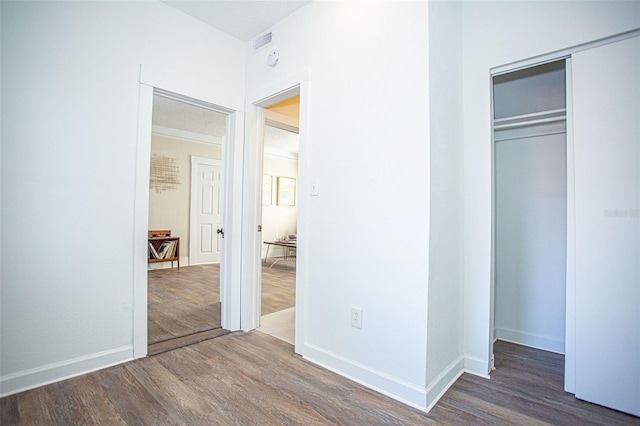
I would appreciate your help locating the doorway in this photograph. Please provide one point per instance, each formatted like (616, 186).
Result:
(530, 206)
(185, 203)
(251, 261)
(279, 219)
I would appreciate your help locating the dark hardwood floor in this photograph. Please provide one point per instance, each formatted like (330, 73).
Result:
(278, 287)
(252, 378)
(183, 301)
(184, 304)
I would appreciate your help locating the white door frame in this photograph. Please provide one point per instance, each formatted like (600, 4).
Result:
(252, 218)
(194, 89)
(193, 231)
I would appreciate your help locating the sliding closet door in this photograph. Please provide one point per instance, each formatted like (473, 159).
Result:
(606, 100)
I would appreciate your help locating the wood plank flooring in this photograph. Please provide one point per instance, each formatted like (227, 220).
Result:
(184, 304)
(182, 301)
(252, 378)
(278, 287)
(189, 339)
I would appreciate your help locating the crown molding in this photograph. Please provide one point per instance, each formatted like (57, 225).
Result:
(185, 135)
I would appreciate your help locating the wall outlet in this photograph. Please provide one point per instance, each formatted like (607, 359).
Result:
(356, 317)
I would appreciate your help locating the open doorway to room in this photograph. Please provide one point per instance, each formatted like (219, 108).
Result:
(279, 219)
(530, 214)
(185, 217)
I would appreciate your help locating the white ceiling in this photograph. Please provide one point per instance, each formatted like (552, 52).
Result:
(242, 19)
(280, 142)
(178, 115)
(189, 118)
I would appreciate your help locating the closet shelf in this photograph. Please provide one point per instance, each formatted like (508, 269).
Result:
(542, 117)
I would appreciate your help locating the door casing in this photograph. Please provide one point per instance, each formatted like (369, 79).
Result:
(191, 89)
(297, 84)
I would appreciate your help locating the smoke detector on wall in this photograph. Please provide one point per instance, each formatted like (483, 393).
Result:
(272, 59)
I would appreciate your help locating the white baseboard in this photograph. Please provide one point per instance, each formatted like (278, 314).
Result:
(477, 367)
(184, 261)
(537, 341)
(438, 386)
(40, 376)
(408, 393)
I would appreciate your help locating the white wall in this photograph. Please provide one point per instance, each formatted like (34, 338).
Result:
(531, 229)
(445, 316)
(70, 73)
(494, 34)
(368, 230)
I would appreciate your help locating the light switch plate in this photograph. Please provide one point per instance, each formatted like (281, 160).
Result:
(315, 186)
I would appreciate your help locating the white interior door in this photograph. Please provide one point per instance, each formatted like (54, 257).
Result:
(206, 218)
(606, 101)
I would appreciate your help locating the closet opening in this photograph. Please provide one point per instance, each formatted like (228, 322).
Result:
(530, 207)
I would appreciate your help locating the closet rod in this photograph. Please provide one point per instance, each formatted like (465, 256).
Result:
(532, 115)
(528, 123)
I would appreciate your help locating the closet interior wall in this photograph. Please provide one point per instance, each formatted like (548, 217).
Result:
(530, 206)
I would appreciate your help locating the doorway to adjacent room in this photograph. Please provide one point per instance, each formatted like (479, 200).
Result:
(279, 218)
(185, 212)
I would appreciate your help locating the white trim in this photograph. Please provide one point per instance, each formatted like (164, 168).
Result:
(231, 257)
(56, 372)
(441, 384)
(187, 88)
(141, 222)
(394, 387)
(561, 54)
(570, 318)
(252, 218)
(477, 367)
(297, 84)
(473, 365)
(282, 154)
(304, 188)
(184, 135)
(184, 87)
(532, 340)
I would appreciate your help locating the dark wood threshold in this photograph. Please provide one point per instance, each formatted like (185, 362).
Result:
(190, 339)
